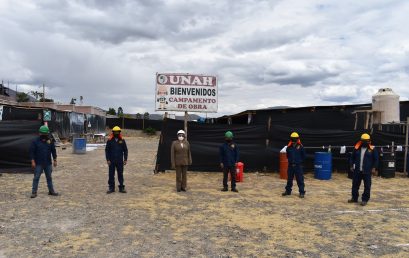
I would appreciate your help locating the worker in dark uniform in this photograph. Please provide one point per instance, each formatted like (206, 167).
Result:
(364, 161)
(295, 156)
(229, 156)
(41, 150)
(116, 153)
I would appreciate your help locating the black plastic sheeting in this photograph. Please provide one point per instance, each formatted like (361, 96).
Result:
(66, 124)
(260, 147)
(320, 117)
(314, 140)
(340, 119)
(17, 113)
(136, 124)
(205, 140)
(15, 140)
(94, 123)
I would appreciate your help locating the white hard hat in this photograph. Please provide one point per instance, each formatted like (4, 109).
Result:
(181, 132)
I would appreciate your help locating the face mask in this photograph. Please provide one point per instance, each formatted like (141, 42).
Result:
(181, 138)
(229, 140)
(116, 135)
(365, 144)
(44, 137)
(294, 140)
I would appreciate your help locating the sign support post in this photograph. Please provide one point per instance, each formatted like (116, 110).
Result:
(185, 124)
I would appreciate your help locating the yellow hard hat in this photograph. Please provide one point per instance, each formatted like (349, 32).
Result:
(116, 129)
(365, 137)
(294, 135)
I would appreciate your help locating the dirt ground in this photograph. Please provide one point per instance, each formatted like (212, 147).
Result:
(153, 220)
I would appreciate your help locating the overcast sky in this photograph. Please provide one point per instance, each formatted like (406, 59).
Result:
(264, 53)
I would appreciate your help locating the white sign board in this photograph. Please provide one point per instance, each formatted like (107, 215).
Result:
(1, 113)
(186, 92)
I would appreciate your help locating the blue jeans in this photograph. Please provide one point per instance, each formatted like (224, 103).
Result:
(37, 174)
(295, 170)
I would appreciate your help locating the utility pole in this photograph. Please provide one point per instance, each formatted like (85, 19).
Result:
(405, 167)
(43, 95)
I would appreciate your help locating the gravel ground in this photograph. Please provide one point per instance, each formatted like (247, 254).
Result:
(153, 220)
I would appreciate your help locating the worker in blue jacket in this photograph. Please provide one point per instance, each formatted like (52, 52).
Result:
(41, 150)
(296, 157)
(229, 156)
(364, 161)
(116, 153)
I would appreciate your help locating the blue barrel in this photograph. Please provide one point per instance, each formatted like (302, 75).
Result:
(79, 145)
(323, 165)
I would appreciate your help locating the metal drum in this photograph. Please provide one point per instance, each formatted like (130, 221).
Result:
(387, 164)
(79, 145)
(323, 165)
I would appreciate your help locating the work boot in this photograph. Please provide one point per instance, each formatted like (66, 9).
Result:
(110, 190)
(53, 193)
(235, 190)
(183, 189)
(225, 189)
(302, 195)
(285, 194)
(33, 195)
(122, 189)
(364, 203)
(352, 201)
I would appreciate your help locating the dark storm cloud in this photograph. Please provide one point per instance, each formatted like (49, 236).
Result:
(338, 99)
(271, 38)
(305, 79)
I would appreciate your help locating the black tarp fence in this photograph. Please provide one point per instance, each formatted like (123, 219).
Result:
(260, 146)
(15, 139)
(94, 123)
(320, 117)
(322, 140)
(66, 124)
(21, 113)
(205, 140)
(60, 123)
(135, 124)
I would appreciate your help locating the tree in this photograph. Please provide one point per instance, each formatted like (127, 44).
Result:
(138, 116)
(146, 116)
(111, 111)
(36, 95)
(73, 100)
(46, 100)
(22, 97)
(120, 111)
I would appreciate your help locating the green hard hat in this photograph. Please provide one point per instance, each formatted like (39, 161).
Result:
(44, 129)
(228, 134)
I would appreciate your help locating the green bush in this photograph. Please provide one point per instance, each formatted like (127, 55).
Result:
(149, 131)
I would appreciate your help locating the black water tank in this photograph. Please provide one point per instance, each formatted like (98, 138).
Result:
(387, 164)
